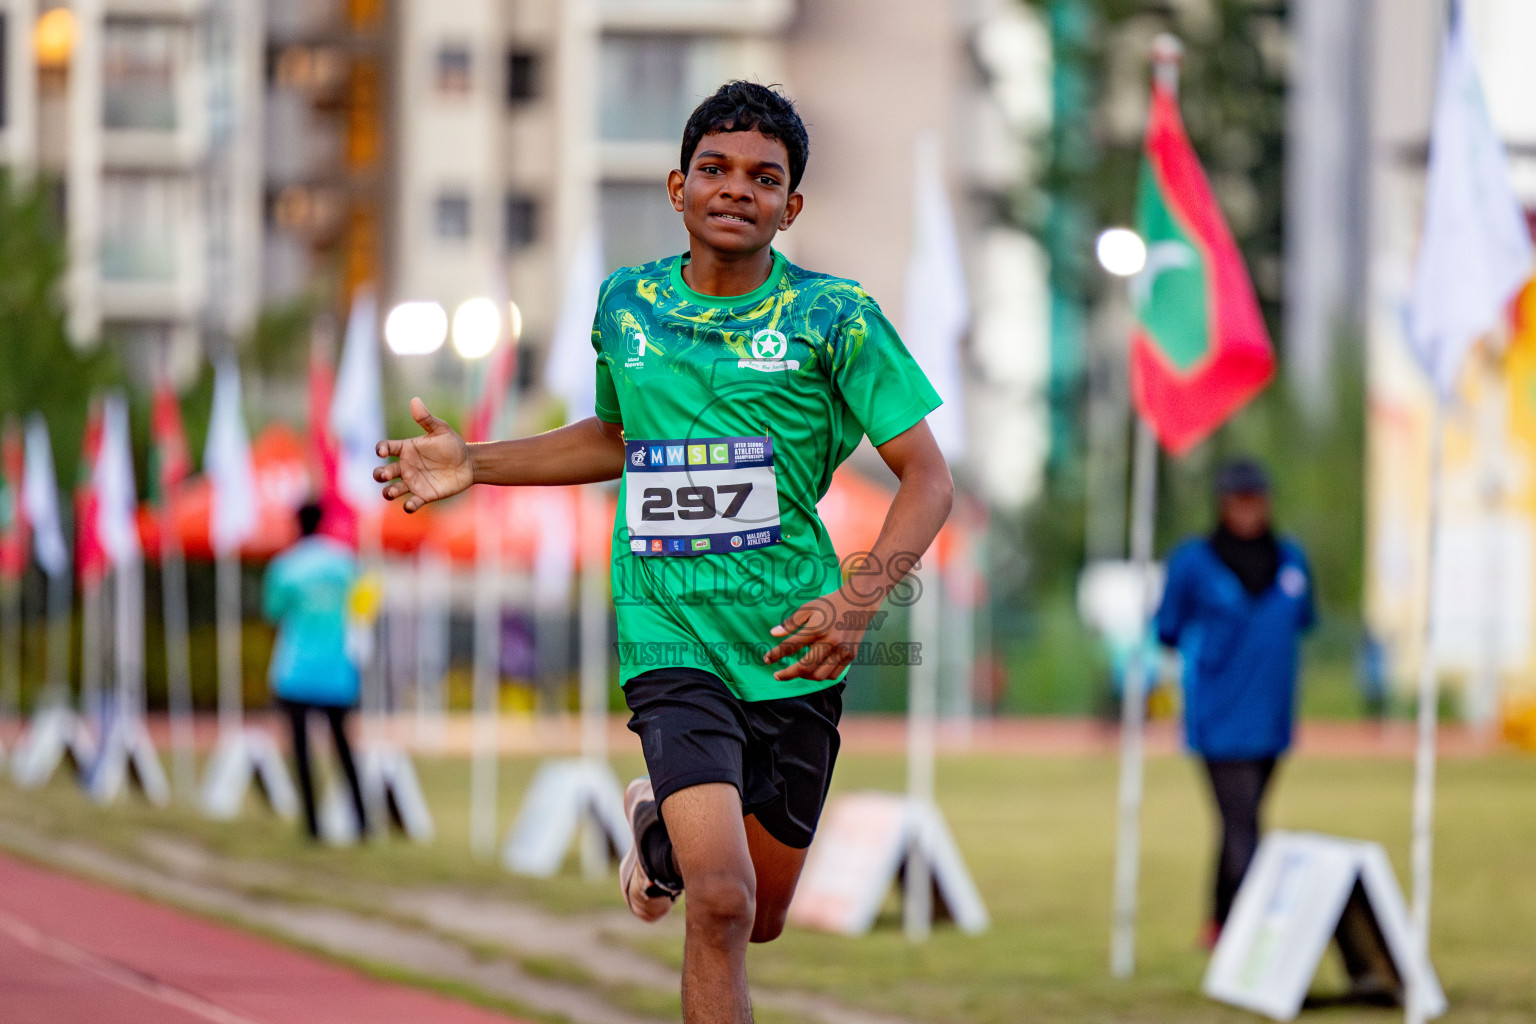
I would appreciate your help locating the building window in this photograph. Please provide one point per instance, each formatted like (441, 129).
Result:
(522, 77)
(639, 225)
(451, 216)
(453, 70)
(650, 84)
(522, 226)
(139, 64)
(139, 214)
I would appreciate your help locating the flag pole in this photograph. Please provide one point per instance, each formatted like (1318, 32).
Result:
(178, 659)
(1167, 52)
(1428, 725)
(594, 662)
(227, 604)
(1132, 712)
(922, 694)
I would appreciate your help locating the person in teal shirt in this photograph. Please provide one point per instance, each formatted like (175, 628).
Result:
(305, 594)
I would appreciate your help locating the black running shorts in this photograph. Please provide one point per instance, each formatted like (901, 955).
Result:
(777, 753)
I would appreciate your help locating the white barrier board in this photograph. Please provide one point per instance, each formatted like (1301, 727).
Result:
(864, 841)
(54, 735)
(564, 793)
(1288, 910)
(242, 757)
(390, 786)
(127, 756)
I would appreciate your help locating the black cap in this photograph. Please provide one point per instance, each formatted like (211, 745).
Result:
(1241, 476)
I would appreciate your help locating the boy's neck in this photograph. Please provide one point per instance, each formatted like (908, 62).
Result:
(724, 275)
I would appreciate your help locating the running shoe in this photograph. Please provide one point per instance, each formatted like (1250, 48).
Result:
(647, 899)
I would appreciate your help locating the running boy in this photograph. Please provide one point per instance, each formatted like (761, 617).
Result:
(730, 384)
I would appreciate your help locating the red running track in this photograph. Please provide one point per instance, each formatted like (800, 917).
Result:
(74, 951)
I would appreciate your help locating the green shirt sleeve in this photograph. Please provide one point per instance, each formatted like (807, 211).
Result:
(880, 382)
(606, 401)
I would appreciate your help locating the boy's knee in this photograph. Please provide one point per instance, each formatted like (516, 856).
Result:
(722, 903)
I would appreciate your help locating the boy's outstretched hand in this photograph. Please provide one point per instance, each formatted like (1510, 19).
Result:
(431, 467)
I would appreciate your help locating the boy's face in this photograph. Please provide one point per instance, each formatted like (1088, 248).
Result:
(734, 196)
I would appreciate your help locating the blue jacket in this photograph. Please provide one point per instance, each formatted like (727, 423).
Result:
(305, 593)
(1241, 652)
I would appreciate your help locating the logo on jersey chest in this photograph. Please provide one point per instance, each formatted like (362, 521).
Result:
(768, 348)
(635, 345)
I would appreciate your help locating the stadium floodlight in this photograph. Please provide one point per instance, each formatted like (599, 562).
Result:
(416, 328)
(514, 321)
(476, 327)
(1121, 252)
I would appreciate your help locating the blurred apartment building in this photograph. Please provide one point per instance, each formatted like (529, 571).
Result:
(141, 115)
(216, 156)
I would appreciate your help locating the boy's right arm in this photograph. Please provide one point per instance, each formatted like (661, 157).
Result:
(440, 464)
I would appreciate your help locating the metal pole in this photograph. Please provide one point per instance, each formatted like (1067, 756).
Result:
(10, 647)
(58, 636)
(1133, 705)
(1429, 706)
(922, 680)
(227, 605)
(592, 534)
(483, 769)
(92, 621)
(178, 659)
(1483, 698)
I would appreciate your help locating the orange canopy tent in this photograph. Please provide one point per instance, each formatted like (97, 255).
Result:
(853, 510)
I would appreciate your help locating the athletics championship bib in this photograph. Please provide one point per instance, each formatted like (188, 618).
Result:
(713, 495)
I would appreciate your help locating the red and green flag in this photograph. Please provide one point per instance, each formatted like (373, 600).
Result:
(90, 555)
(1200, 349)
(170, 459)
(13, 520)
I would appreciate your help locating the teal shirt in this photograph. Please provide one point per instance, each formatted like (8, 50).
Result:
(773, 389)
(305, 594)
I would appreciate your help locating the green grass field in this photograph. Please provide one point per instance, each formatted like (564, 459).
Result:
(1038, 835)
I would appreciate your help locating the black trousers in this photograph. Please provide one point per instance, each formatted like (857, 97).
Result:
(298, 718)
(1238, 787)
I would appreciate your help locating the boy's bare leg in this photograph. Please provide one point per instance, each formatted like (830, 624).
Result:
(777, 868)
(709, 844)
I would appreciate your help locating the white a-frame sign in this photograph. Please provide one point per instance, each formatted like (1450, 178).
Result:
(1302, 891)
(564, 794)
(862, 849)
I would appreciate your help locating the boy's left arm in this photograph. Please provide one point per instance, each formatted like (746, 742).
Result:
(822, 626)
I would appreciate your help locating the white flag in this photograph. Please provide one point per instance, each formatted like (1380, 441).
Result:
(40, 498)
(554, 561)
(357, 405)
(117, 499)
(937, 309)
(571, 372)
(1475, 252)
(228, 466)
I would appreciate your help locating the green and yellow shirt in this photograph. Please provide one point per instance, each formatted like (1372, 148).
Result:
(736, 410)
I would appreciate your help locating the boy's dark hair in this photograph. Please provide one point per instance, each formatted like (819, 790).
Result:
(309, 519)
(750, 107)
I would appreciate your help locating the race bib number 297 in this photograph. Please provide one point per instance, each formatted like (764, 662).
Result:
(699, 496)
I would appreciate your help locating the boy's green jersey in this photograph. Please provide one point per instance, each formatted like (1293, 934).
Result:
(736, 410)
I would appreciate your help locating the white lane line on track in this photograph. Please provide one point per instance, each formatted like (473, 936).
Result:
(51, 945)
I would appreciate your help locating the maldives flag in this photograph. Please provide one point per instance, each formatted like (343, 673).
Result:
(13, 520)
(90, 556)
(171, 461)
(1199, 350)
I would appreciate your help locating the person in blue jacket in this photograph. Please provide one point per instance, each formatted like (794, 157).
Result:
(1236, 605)
(305, 592)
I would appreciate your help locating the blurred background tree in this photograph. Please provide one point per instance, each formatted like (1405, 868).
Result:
(42, 370)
